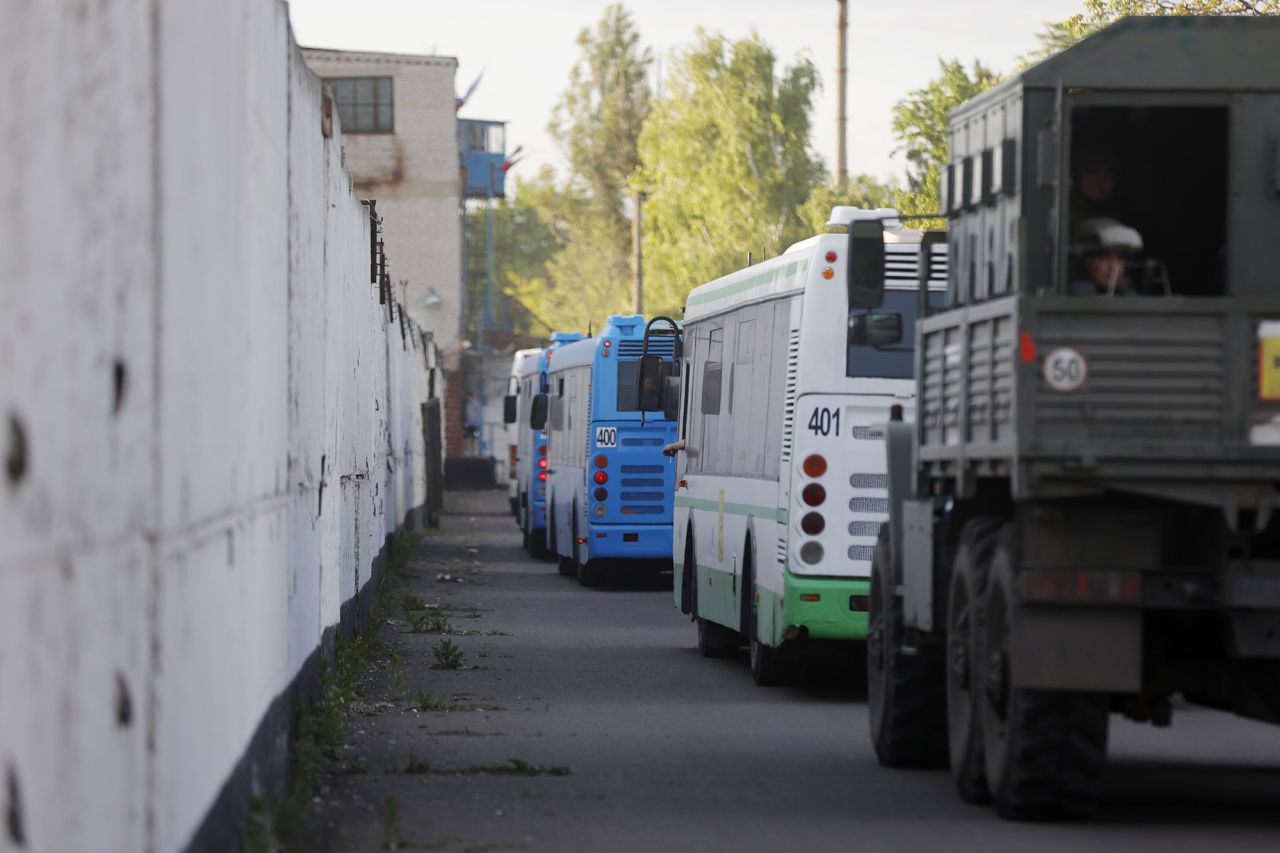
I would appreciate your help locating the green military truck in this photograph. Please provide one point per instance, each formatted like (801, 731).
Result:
(1083, 514)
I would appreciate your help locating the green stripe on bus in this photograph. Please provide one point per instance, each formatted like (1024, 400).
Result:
(783, 272)
(767, 512)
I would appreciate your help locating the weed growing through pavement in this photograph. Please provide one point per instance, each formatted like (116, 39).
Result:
(428, 622)
(428, 701)
(448, 655)
(412, 601)
(390, 815)
(397, 675)
(417, 765)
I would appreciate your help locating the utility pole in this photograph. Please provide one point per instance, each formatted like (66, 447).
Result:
(637, 238)
(842, 72)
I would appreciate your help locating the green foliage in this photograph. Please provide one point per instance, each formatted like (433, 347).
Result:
(389, 814)
(920, 125)
(428, 622)
(522, 246)
(1059, 35)
(587, 273)
(417, 765)
(397, 675)
(726, 163)
(428, 701)
(862, 191)
(448, 655)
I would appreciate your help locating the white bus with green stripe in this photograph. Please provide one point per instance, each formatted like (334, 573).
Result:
(780, 480)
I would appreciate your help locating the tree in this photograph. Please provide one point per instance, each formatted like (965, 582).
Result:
(597, 121)
(523, 245)
(726, 164)
(863, 191)
(1097, 14)
(920, 125)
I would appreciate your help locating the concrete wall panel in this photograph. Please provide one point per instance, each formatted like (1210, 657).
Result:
(211, 421)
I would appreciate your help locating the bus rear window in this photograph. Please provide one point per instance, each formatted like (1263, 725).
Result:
(891, 361)
(628, 399)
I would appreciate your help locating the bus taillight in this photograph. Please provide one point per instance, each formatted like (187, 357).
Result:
(814, 494)
(814, 465)
(601, 477)
(602, 461)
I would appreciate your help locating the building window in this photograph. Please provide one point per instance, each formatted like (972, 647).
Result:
(365, 104)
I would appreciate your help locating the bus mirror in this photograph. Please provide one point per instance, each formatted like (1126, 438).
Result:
(875, 330)
(671, 397)
(866, 263)
(538, 412)
(509, 409)
(650, 380)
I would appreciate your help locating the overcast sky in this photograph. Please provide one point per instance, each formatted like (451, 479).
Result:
(526, 48)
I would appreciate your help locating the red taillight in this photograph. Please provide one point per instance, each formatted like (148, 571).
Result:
(1027, 348)
(542, 475)
(813, 523)
(601, 477)
(831, 257)
(601, 494)
(813, 494)
(602, 461)
(810, 596)
(814, 465)
(542, 451)
(542, 463)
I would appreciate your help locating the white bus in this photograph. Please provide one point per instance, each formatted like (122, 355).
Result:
(780, 482)
(522, 384)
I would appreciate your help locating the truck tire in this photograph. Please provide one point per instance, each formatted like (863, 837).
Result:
(905, 693)
(964, 654)
(1045, 750)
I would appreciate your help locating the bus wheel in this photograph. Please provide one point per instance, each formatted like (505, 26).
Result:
(536, 544)
(964, 656)
(905, 694)
(767, 669)
(564, 565)
(1045, 750)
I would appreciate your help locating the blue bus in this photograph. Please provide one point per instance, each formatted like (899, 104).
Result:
(610, 489)
(529, 453)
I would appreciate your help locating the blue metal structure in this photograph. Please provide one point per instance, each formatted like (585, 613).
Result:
(482, 148)
(531, 459)
(610, 489)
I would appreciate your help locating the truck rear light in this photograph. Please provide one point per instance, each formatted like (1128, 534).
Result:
(813, 523)
(814, 465)
(813, 494)
(1080, 586)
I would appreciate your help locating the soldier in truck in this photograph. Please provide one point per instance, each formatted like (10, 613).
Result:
(1101, 249)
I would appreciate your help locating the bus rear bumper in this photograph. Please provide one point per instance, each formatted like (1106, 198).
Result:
(826, 608)
(628, 542)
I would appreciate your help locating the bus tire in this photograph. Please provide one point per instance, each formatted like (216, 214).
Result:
(537, 544)
(767, 670)
(687, 574)
(905, 693)
(1045, 750)
(964, 657)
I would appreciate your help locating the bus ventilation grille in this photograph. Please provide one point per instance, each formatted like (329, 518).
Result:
(663, 346)
(789, 406)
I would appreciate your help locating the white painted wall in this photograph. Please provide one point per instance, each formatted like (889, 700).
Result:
(169, 210)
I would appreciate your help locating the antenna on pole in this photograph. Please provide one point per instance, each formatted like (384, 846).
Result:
(842, 72)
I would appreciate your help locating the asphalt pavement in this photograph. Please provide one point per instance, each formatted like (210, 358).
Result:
(584, 719)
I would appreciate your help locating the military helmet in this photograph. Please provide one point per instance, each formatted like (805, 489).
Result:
(1095, 236)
